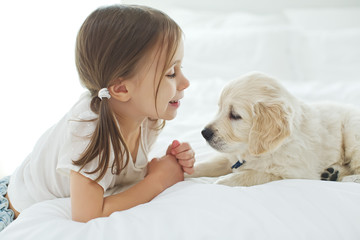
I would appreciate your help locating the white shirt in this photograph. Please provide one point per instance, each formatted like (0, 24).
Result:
(44, 174)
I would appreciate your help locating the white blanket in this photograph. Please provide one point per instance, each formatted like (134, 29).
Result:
(316, 54)
(287, 209)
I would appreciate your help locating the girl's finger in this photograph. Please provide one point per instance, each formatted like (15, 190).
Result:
(173, 145)
(188, 170)
(187, 163)
(180, 148)
(185, 155)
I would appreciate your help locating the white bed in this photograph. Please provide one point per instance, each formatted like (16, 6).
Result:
(291, 209)
(316, 54)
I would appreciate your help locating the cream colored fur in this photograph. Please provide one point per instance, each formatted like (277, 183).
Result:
(279, 136)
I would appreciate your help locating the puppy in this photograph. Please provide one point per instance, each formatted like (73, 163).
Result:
(264, 134)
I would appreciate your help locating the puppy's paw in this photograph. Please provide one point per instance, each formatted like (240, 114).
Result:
(227, 180)
(330, 174)
(246, 178)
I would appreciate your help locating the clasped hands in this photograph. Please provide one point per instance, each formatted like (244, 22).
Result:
(169, 169)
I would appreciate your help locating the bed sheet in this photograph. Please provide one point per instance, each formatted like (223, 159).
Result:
(195, 209)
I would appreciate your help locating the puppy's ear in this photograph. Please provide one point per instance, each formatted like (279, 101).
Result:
(271, 125)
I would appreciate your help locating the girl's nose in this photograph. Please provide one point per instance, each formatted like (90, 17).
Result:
(183, 83)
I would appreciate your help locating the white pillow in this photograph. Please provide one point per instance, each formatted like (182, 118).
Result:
(324, 19)
(327, 55)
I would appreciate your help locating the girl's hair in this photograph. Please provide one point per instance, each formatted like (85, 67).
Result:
(110, 44)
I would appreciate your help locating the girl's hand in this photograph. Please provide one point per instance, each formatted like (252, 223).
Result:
(184, 154)
(165, 170)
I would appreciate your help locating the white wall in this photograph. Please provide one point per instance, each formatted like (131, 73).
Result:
(38, 78)
(258, 6)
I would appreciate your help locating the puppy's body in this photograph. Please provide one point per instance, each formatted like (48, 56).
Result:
(279, 136)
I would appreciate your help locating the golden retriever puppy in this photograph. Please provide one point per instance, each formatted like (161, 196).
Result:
(264, 134)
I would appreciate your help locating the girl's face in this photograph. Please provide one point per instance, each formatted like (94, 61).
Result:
(164, 103)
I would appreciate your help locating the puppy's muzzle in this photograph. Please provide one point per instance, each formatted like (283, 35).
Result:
(207, 133)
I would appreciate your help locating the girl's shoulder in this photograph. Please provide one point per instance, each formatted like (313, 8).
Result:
(81, 119)
(81, 109)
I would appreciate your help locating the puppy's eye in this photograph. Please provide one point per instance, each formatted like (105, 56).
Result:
(234, 116)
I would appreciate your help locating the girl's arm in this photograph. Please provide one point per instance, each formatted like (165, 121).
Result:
(87, 201)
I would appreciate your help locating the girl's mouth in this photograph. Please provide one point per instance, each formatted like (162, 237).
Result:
(175, 103)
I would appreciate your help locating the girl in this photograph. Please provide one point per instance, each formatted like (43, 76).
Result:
(129, 58)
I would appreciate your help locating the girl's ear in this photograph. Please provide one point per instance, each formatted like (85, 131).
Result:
(120, 91)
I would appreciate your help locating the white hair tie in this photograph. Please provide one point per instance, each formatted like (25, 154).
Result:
(104, 93)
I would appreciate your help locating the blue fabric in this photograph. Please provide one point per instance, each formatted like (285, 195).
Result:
(6, 214)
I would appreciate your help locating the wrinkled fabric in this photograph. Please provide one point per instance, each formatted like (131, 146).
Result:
(6, 214)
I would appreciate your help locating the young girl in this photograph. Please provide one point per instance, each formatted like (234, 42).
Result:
(129, 58)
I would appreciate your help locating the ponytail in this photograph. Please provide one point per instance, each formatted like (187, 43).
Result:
(106, 134)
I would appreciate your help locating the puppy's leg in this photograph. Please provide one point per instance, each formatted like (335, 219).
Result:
(351, 141)
(350, 163)
(352, 178)
(246, 178)
(215, 167)
(354, 164)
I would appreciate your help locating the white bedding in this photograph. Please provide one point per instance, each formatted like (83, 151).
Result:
(288, 209)
(316, 54)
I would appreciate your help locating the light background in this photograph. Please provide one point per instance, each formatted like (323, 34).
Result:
(38, 78)
(39, 82)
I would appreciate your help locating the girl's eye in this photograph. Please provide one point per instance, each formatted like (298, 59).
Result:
(171, 75)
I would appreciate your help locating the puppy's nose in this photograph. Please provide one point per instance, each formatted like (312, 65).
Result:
(207, 133)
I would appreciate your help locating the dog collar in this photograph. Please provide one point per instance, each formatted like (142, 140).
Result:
(238, 164)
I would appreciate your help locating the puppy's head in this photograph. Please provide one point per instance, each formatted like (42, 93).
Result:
(254, 115)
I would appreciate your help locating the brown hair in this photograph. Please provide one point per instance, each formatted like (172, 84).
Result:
(110, 44)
